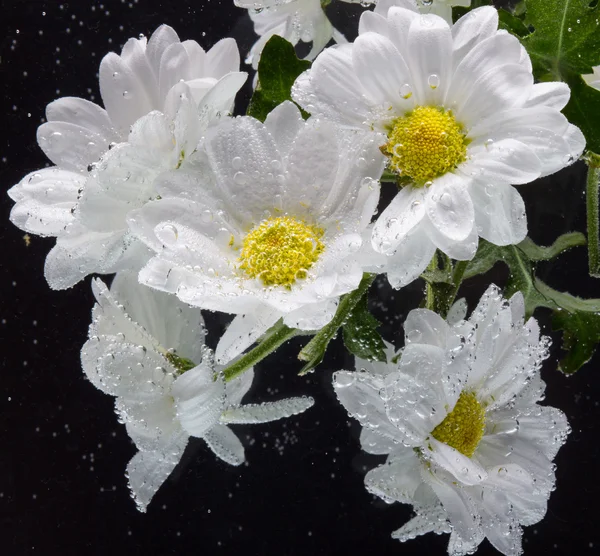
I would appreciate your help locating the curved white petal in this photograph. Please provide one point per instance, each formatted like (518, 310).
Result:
(266, 412)
(225, 444)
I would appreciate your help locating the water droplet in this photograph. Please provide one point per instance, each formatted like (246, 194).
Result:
(240, 178)
(434, 81)
(406, 91)
(236, 163)
(168, 234)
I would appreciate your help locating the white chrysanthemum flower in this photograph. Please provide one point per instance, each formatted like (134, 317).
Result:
(147, 349)
(264, 223)
(295, 21)
(79, 133)
(457, 113)
(593, 79)
(469, 446)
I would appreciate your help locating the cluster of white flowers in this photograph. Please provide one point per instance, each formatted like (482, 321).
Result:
(271, 221)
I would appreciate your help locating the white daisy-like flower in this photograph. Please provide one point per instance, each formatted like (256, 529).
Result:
(147, 349)
(264, 223)
(295, 21)
(593, 79)
(79, 133)
(457, 113)
(457, 411)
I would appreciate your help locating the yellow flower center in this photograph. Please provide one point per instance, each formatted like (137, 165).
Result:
(425, 144)
(281, 250)
(464, 426)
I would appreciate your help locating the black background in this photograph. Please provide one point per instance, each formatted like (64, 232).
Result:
(62, 452)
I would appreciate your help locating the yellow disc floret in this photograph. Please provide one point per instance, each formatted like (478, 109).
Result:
(463, 427)
(425, 144)
(281, 250)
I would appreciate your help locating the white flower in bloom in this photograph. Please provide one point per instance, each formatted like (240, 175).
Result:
(265, 223)
(593, 79)
(469, 446)
(78, 133)
(147, 349)
(457, 113)
(295, 21)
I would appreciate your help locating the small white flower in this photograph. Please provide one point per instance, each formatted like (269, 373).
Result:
(593, 79)
(469, 446)
(458, 115)
(265, 223)
(295, 21)
(147, 349)
(79, 133)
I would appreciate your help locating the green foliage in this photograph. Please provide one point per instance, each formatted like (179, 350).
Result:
(579, 319)
(360, 334)
(564, 44)
(511, 23)
(581, 335)
(278, 68)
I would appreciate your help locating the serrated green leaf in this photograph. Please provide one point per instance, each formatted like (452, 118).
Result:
(562, 244)
(278, 68)
(581, 336)
(566, 37)
(360, 334)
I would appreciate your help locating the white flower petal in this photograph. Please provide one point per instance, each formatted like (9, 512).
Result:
(71, 146)
(199, 399)
(243, 331)
(147, 471)
(397, 479)
(44, 200)
(499, 213)
(460, 250)
(82, 113)
(125, 96)
(267, 411)
(554, 95)
(457, 312)
(460, 508)
(225, 444)
(380, 68)
(332, 83)
(410, 258)
(223, 58)
(423, 326)
(449, 207)
(374, 443)
(284, 123)
(470, 30)
(497, 89)
(430, 46)
(405, 212)
(464, 469)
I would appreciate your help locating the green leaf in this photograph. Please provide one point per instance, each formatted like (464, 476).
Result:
(562, 244)
(578, 318)
(278, 68)
(581, 335)
(360, 334)
(566, 39)
(565, 43)
(512, 23)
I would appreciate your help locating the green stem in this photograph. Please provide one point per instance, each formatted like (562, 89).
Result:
(429, 289)
(279, 334)
(593, 215)
(313, 352)
(457, 277)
